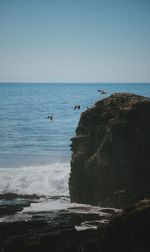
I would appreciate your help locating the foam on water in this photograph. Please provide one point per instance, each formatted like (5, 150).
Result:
(48, 180)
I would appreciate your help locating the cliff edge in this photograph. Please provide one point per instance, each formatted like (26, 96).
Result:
(110, 163)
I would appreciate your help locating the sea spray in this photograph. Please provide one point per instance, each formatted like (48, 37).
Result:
(48, 180)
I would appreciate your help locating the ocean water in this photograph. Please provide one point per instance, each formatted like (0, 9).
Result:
(34, 151)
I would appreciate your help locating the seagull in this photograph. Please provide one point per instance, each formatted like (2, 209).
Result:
(50, 117)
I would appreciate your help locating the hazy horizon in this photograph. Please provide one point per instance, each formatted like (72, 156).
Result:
(70, 82)
(59, 41)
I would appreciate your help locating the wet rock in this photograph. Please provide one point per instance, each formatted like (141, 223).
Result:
(11, 196)
(7, 209)
(11, 203)
(128, 231)
(53, 232)
(108, 210)
(110, 159)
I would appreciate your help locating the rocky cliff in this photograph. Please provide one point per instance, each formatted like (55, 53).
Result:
(110, 162)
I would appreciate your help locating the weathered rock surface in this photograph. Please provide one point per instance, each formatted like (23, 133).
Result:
(73, 228)
(11, 203)
(128, 231)
(110, 163)
(57, 231)
(51, 231)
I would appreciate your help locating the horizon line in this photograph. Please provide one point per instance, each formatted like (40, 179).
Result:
(73, 82)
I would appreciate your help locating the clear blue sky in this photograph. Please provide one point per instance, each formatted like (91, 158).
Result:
(75, 40)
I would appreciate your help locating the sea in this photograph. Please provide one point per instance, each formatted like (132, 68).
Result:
(35, 151)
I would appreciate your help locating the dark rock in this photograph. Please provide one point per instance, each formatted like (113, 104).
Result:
(55, 233)
(128, 231)
(110, 161)
(11, 203)
(11, 196)
(7, 209)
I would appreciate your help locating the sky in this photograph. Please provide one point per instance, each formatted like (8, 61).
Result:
(74, 40)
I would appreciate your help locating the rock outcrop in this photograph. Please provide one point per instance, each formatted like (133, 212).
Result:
(110, 163)
(70, 230)
(128, 231)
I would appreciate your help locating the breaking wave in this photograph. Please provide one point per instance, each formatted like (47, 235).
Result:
(47, 180)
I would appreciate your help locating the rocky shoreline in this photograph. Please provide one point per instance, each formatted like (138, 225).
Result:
(71, 229)
(78, 228)
(109, 167)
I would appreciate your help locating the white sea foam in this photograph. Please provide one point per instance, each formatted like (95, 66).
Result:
(48, 180)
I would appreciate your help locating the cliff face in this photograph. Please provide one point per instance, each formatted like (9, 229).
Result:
(110, 162)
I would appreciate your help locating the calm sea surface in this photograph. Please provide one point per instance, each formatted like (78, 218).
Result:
(34, 151)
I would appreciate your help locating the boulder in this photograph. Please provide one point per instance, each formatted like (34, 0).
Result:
(110, 163)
